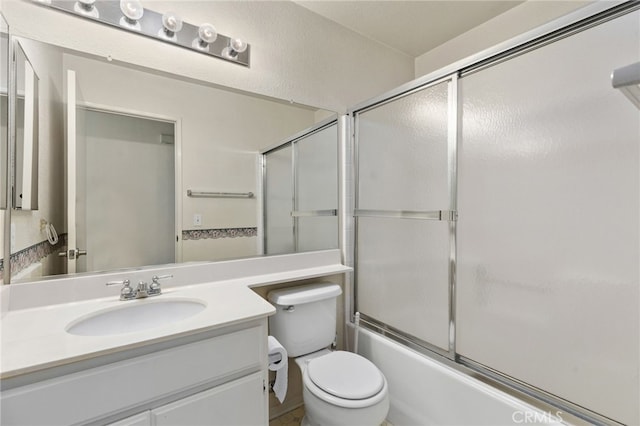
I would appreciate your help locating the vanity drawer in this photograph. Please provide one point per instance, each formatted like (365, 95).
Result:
(126, 385)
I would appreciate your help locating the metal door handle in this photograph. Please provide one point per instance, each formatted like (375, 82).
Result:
(72, 253)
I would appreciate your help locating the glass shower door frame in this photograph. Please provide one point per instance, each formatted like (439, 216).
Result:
(449, 216)
(582, 19)
(295, 213)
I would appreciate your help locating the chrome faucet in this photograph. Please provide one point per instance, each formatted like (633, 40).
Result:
(126, 292)
(143, 290)
(154, 288)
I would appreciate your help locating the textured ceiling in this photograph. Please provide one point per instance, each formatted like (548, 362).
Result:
(412, 27)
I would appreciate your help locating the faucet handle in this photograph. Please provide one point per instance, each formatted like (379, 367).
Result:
(154, 288)
(126, 292)
(125, 283)
(157, 278)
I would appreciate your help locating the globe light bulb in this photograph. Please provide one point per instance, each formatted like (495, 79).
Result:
(171, 22)
(131, 9)
(207, 34)
(238, 45)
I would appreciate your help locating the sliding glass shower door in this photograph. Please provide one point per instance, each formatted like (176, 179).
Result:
(301, 192)
(548, 236)
(405, 158)
(499, 225)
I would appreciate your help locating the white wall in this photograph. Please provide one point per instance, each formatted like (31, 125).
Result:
(295, 54)
(220, 132)
(512, 23)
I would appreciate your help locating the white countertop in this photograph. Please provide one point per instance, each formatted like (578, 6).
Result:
(35, 339)
(34, 322)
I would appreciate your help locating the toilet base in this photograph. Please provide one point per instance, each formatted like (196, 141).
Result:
(305, 422)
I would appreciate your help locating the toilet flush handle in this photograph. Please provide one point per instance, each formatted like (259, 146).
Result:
(289, 308)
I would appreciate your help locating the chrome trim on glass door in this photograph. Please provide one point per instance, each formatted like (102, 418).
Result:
(314, 213)
(441, 215)
(453, 134)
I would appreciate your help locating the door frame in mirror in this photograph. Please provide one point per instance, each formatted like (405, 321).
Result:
(177, 123)
(24, 194)
(5, 86)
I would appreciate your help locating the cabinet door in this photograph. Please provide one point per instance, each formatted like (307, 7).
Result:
(142, 419)
(241, 402)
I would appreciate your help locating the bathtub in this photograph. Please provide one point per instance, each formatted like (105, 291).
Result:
(426, 392)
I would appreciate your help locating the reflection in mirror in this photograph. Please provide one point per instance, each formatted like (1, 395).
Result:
(4, 134)
(206, 138)
(25, 193)
(301, 191)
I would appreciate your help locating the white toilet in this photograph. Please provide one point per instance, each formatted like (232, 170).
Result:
(340, 388)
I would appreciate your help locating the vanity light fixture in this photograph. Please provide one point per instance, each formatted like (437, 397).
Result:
(132, 12)
(207, 34)
(235, 47)
(168, 27)
(171, 24)
(86, 8)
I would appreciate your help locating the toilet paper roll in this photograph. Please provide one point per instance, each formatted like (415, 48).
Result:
(278, 362)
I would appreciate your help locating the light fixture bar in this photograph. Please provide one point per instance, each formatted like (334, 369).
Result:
(150, 25)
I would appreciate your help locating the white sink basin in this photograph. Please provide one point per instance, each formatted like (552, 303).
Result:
(135, 316)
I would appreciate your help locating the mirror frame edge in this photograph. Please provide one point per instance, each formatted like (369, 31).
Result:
(8, 172)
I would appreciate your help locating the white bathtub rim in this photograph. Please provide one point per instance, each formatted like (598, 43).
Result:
(458, 373)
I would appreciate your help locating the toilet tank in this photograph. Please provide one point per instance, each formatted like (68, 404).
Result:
(305, 318)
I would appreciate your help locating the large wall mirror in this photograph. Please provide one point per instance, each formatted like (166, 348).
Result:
(148, 168)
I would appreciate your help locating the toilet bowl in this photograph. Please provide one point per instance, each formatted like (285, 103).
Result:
(339, 388)
(342, 388)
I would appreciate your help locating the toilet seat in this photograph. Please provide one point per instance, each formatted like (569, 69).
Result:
(364, 383)
(346, 375)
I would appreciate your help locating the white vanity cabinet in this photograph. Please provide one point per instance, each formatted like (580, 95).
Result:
(142, 419)
(211, 378)
(231, 404)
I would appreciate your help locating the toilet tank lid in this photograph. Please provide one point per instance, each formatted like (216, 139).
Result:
(304, 294)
